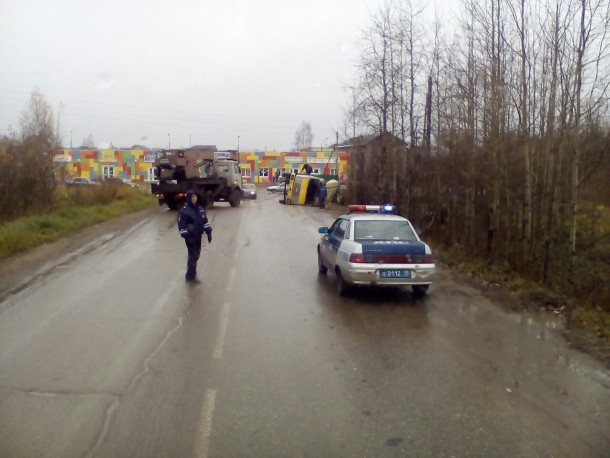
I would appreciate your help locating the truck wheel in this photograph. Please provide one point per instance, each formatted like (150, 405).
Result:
(235, 198)
(172, 205)
(209, 199)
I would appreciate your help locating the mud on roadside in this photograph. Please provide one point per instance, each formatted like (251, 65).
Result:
(541, 301)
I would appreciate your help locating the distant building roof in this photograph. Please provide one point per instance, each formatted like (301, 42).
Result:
(368, 139)
(360, 140)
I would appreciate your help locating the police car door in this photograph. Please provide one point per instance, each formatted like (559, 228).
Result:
(333, 239)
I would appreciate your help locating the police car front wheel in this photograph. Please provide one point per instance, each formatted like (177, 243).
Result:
(321, 267)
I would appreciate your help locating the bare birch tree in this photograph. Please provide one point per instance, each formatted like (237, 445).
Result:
(303, 137)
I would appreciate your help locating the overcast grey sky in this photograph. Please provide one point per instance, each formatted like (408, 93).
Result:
(204, 72)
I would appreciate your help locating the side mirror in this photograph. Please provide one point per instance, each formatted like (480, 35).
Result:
(323, 230)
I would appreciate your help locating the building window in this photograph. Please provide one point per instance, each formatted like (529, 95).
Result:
(108, 171)
(333, 171)
(316, 171)
(246, 173)
(264, 172)
(295, 170)
(152, 174)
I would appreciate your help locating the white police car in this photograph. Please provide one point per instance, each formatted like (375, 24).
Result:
(371, 245)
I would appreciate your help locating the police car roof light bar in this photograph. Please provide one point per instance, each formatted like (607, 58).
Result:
(363, 208)
(391, 209)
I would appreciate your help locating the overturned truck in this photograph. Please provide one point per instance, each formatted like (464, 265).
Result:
(214, 175)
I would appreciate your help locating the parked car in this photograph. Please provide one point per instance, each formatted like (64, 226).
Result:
(80, 181)
(371, 245)
(277, 188)
(120, 182)
(249, 191)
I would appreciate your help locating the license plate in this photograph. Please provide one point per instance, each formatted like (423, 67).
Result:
(394, 273)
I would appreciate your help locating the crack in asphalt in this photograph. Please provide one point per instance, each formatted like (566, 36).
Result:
(109, 416)
(51, 393)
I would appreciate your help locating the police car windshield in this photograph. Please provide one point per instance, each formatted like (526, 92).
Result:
(384, 230)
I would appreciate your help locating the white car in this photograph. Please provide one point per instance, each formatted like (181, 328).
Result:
(277, 188)
(373, 246)
(79, 181)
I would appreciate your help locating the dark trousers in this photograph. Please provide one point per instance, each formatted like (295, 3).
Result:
(322, 199)
(193, 245)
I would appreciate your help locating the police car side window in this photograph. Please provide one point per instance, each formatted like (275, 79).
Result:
(348, 230)
(334, 227)
(340, 232)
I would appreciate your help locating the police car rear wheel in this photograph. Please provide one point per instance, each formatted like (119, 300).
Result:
(420, 290)
(342, 286)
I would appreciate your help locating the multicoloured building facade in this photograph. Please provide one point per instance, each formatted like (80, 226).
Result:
(138, 164)
(260, 167)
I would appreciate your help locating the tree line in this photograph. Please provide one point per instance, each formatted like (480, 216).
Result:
(492, 135)
(27, 180)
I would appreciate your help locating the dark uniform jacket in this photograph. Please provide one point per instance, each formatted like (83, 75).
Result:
(192, 221)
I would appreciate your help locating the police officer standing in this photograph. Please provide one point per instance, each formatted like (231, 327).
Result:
(322, 194)
(192, 223)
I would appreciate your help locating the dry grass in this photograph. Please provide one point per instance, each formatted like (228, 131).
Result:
(75, 209)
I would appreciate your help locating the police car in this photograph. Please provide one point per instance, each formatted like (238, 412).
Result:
(371, 245)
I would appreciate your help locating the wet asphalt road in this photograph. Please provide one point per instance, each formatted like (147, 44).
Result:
(111, 354)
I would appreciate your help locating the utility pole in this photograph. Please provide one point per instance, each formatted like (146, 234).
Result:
(335, 150)
(238, 158)
(169, 143)
(70, 139)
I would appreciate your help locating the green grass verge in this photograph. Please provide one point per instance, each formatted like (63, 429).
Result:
(69, 217)
(595, 318)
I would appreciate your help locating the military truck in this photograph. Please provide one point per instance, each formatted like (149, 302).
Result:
(214, 175)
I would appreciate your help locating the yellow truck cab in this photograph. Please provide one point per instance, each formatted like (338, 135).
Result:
(301, 189)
